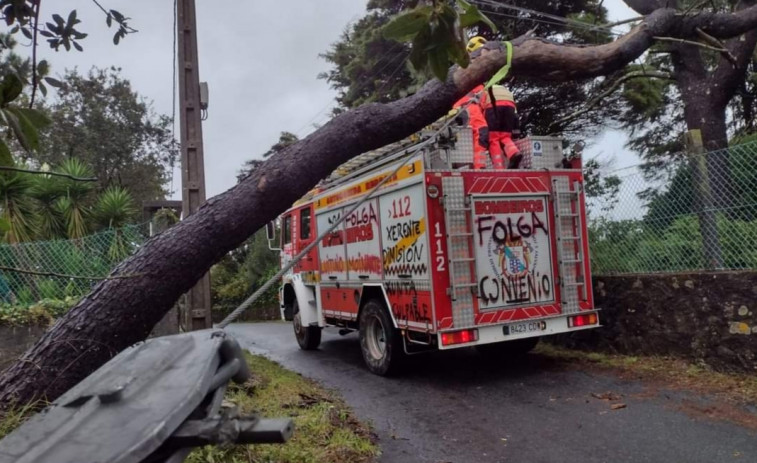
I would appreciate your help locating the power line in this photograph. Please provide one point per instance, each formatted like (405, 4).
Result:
(556, 20)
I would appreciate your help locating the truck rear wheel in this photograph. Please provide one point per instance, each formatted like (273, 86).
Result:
(508, 349)
(308, 337)
(380, 342)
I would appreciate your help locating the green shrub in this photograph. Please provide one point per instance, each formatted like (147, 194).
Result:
(43, 312)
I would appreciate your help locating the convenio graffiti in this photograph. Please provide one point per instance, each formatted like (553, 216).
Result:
(513, 255)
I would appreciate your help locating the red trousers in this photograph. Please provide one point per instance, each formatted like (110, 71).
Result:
(502, 143)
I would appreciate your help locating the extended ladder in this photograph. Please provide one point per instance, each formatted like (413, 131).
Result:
(570, 249)
(462, 275)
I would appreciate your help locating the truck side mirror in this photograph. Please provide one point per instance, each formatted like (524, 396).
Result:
(270, 234)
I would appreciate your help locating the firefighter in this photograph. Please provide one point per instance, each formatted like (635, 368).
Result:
(501, 116)
(473, 115)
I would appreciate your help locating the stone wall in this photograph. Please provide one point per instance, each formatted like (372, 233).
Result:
(707, 317)
(14, 340)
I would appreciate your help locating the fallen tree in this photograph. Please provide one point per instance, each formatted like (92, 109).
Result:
(122, 311)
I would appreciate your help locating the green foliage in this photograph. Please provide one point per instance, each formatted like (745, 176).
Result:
(19, 16)
(75, 201)
(42, 313)
(599, 186)
(634, 246)
(23, 123)
(115, 208)
(241, 272)
(436, 33)
(99, 119)
(17, 206)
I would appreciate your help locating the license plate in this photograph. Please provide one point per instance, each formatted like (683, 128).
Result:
(524, 327)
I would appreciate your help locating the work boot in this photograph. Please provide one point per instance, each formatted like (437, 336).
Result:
(515, 161)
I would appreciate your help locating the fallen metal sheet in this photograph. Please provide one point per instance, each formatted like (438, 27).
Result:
(131, 405)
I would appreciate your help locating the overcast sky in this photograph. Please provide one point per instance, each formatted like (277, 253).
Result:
(260, 59)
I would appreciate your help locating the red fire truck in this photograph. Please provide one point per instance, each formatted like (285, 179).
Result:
(441, 256)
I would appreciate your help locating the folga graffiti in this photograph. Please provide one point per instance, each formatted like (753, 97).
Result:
(513, 259)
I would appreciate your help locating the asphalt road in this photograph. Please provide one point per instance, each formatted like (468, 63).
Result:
(456, 407)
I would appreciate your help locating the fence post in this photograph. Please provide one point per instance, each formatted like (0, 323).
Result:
(703, 201)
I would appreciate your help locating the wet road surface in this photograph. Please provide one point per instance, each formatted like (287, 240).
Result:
(456, 407)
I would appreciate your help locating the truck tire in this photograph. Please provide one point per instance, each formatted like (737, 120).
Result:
(308, 337)
(380, 342)
(508, 349)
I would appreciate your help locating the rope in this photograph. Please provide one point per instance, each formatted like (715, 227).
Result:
(502, 73)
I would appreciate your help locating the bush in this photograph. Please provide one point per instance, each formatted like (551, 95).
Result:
(41, 313)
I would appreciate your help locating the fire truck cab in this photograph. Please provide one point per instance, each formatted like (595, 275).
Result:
(441, 256)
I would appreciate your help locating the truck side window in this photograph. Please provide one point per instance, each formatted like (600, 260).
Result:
(286, 234)
(305, 223)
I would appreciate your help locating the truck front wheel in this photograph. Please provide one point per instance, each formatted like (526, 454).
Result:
(380, 342)
(308, 337)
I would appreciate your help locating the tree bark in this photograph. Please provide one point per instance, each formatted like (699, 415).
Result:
(119, 313)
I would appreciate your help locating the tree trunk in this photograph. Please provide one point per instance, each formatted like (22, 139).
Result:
(120, 312)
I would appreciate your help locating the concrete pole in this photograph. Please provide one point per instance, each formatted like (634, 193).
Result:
(197, 315)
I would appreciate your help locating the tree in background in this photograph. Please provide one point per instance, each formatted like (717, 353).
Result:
(99, 119)
(367, 67)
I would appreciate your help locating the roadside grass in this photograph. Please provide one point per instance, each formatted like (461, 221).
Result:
(324, 428)
(15, 416)
(672, 372)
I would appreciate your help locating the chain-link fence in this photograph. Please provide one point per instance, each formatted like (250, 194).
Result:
(687, 213)
(34, 271)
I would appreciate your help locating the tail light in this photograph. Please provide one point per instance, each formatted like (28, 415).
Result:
(459, 337)
(583, 320)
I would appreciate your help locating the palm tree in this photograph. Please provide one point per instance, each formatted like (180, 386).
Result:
(113, 211)
(47, 191)
(17, 207)
(76, 197)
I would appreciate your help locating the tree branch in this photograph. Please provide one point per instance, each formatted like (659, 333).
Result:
(623, 21)
(717, 44)
(35, 84)
(691, 42)
(594, 101)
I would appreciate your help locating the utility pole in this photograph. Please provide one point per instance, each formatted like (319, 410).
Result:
(197, 315)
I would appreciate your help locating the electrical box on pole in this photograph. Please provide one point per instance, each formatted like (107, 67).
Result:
(197, 315)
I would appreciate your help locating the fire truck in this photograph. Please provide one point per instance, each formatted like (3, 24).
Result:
(428, 254)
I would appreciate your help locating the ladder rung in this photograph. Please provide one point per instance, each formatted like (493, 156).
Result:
(457, 209)
(573, 284)
(571, 261)
(462, 259)
(459, 234)
(560, 214)
(465, 285)
(571, 238)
